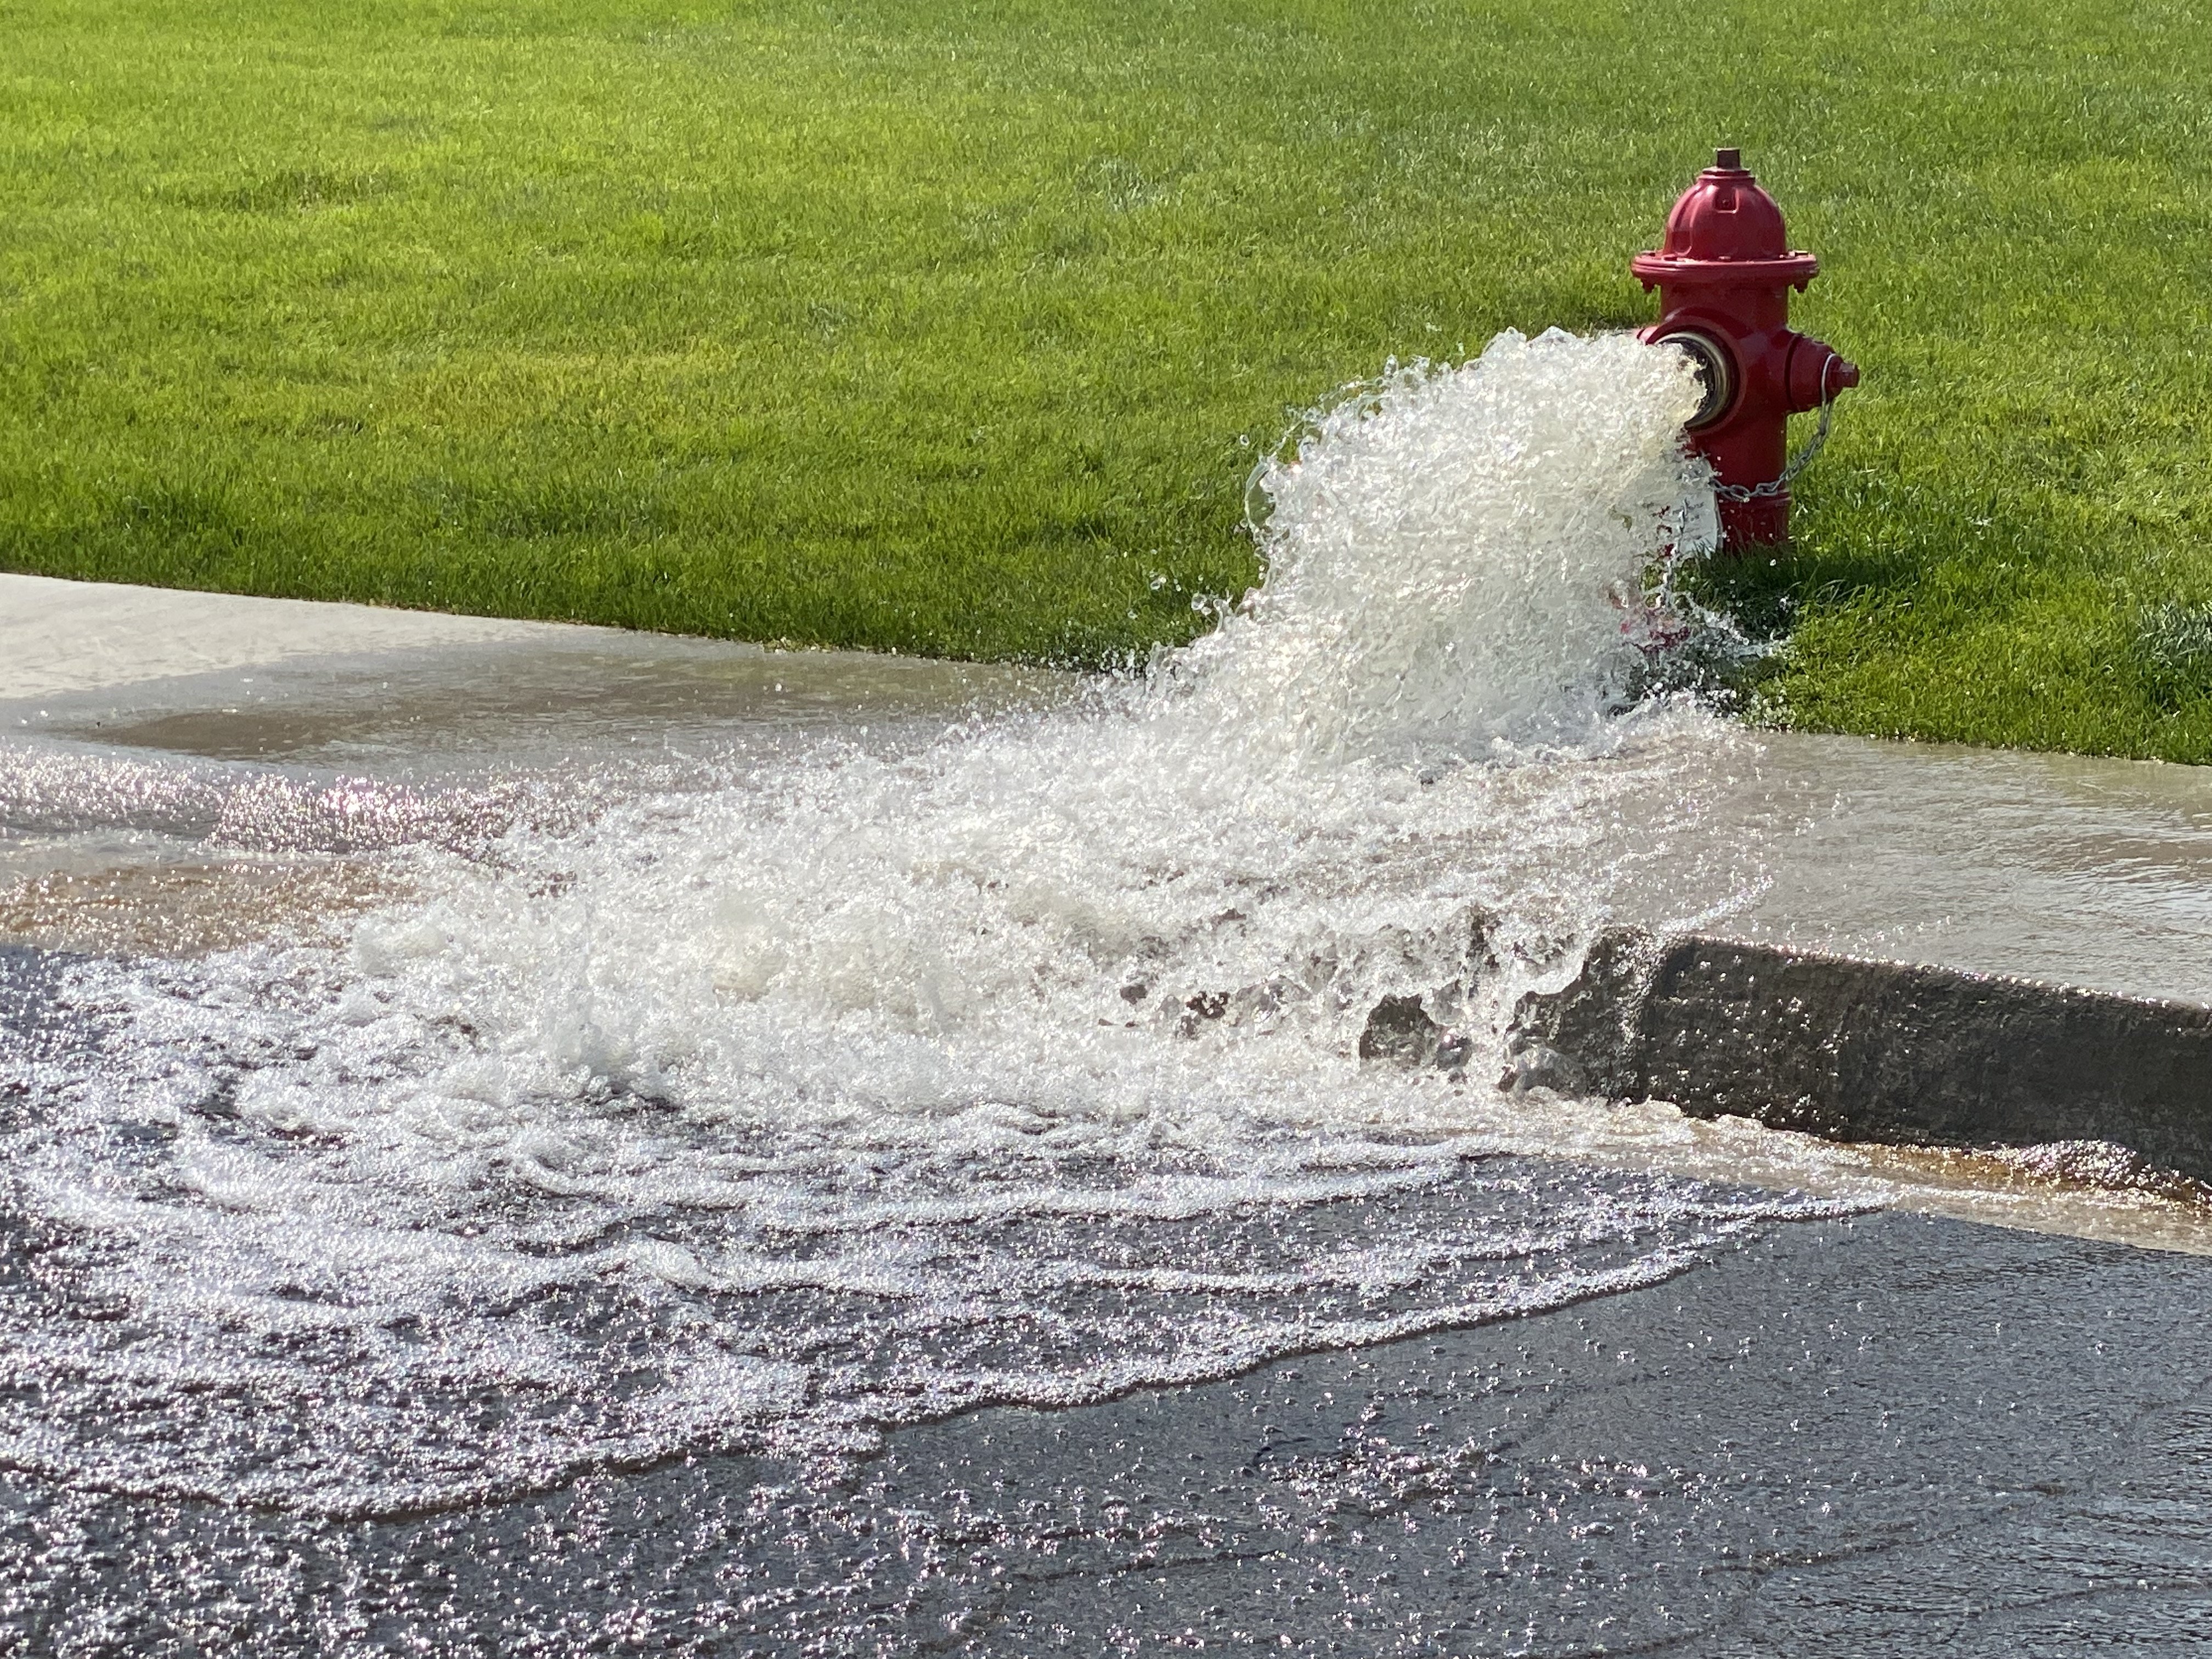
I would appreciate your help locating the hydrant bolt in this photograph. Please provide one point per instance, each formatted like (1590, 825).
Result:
(1724, 273)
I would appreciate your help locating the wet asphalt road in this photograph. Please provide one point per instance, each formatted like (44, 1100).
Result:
(1890, 1435)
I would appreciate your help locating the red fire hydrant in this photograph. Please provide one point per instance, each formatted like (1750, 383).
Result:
(1724, 275)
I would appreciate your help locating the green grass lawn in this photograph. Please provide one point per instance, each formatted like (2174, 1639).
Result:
(943, 327)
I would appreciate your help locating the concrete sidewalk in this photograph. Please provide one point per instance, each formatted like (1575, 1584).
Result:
(2071, 871)
(79, 636)
(2064, 868)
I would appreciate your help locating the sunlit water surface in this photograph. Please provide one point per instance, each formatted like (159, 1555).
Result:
(776, 1098)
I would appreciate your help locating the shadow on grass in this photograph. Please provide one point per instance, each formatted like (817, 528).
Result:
(1902, 610)
(287, 190)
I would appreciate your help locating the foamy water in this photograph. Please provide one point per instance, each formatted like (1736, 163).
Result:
(861, 1089)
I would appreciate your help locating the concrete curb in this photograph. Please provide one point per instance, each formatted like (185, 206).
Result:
(1864, 1050)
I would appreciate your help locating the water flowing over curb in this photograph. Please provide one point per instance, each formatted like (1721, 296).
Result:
(1854, 1049)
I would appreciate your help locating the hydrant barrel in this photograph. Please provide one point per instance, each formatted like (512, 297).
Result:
(1724, 271)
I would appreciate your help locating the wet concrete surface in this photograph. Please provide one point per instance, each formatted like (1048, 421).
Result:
(2070, 870)
(146, 809)
(1887, 1434)
(2065, 868)
(539, 702)
(1858, 1050)
(61, 637)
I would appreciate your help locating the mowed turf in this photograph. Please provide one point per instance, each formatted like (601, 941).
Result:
(954, 328)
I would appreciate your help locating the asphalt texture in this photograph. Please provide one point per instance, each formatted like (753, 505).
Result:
(1887, 1434)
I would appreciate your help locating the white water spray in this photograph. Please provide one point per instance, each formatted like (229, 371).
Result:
(1457, 557)
(864, 1088)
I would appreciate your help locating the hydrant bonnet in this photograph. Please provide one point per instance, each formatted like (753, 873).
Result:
(1724, 219)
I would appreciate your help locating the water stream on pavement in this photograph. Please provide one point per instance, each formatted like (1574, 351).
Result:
(784, 1095)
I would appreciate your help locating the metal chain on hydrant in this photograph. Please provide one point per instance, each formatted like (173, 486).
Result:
(1798, 462)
